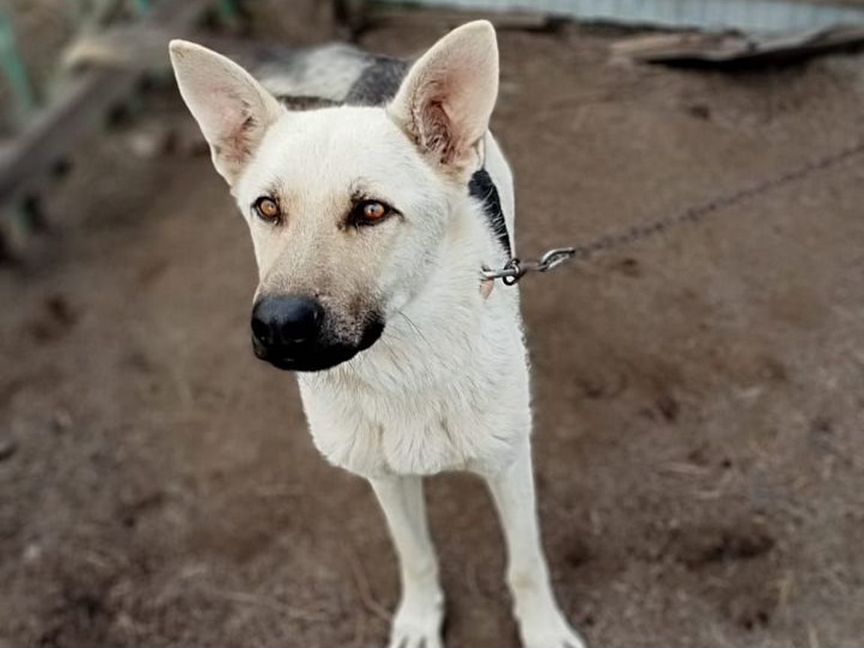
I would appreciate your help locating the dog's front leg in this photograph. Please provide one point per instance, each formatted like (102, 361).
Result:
(541, 623)
(417, 623)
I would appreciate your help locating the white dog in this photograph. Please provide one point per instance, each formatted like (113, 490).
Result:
(371, 219)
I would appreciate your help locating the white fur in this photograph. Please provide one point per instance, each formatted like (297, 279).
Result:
(446, 386)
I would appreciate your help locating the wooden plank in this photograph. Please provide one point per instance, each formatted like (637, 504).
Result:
(734, 50)
(81, 110)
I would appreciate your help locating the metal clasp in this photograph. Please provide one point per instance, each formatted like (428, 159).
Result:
(553, 258)
(515, 269)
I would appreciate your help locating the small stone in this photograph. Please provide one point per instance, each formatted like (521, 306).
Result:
(32, 553)
(61, 421)
(149, 143)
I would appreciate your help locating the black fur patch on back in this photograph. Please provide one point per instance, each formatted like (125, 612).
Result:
(378, 83)
(300, 103)
(483, 189)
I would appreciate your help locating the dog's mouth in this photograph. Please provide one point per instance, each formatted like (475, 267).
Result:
(318, 355)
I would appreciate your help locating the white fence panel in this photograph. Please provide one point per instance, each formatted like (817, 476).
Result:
(748, 15)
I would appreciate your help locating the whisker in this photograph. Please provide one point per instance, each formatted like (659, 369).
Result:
(417, 330)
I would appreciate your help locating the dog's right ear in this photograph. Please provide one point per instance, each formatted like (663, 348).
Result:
(232, 109)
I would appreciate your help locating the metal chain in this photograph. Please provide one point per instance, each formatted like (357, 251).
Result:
(515, 269)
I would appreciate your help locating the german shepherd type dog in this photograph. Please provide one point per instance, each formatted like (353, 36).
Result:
(375, 194)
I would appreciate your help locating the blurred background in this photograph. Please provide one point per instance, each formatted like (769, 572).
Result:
(699, 389)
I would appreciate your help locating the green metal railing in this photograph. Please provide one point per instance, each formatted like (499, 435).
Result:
(45, 133)
(14, 70)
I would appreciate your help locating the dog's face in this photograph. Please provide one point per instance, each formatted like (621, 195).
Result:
(347, 206)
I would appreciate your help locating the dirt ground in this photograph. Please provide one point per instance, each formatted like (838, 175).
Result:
(699, 396)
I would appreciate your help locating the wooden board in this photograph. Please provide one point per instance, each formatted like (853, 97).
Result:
(736, 50)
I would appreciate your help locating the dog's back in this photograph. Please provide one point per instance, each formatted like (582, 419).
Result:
(330, 74)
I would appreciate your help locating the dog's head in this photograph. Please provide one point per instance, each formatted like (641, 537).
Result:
(347, 206)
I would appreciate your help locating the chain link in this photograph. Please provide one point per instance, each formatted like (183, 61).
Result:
(515, 268)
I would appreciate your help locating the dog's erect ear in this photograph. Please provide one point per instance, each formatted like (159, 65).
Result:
(232, 109)
(447, 98)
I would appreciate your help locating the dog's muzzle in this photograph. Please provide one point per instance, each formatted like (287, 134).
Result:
(290, 333)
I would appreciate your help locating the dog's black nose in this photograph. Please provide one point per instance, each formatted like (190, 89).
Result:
(283, 323)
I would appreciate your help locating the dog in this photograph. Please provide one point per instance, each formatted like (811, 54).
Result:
(375, 194)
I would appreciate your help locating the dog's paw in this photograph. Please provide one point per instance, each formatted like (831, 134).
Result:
(415, 638)
(551, 632)
(417, 627)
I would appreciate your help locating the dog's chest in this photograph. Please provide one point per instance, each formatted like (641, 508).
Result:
(373, 436)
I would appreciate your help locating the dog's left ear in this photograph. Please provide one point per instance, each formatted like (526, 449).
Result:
(445, 102)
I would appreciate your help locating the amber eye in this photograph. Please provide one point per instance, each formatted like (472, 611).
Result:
(370, 212)
(267, 209)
